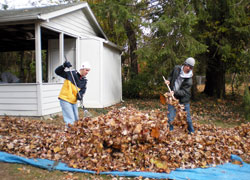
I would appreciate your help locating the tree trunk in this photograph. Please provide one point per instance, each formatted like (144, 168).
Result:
(131, 34)
(215, 78)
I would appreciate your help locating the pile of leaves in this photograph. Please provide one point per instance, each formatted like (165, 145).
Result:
(124, 139)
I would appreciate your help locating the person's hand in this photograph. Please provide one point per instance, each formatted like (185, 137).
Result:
(172, 93)
(167, 82)
(67, 64)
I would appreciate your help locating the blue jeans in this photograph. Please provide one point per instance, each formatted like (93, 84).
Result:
(70, 112)
(172, 113)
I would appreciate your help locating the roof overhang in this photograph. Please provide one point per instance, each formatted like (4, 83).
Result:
(118, 48)
(30, 15)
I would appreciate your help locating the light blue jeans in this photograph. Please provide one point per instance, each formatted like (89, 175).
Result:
(70, 112)
(172, 113)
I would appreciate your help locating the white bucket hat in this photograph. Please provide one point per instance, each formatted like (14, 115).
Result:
(85, 65)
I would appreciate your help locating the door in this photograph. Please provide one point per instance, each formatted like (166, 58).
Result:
(54, 61)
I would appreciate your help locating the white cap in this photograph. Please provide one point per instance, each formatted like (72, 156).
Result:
(85, 65)
(190, 61)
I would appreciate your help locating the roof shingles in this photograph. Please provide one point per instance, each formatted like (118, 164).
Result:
(31, 13)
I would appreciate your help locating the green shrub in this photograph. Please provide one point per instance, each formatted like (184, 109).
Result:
(144, 85)
(133, 88)
(246, 100)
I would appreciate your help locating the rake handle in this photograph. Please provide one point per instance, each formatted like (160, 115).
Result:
(81, 103)
(168, 86)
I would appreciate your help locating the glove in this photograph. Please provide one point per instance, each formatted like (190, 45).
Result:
(67, 64)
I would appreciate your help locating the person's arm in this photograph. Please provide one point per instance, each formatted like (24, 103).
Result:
(60, 69)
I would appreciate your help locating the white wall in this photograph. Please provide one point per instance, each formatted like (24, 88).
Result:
(21, 99)
(74, 23)
(53, 57)
(104, 86)
(50, 102)
(18, 99)
(112, 86)
(90, 50)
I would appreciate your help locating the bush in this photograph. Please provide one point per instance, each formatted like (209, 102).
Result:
(246, 100)
(142, 86)
(135, 87)
(131, 89)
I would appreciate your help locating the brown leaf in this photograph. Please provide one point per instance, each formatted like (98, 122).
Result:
(155, 132)
(138, 129)
(10, 146)
(162, 99)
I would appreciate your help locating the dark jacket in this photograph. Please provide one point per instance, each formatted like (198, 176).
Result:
(184, 93)
(69, 90)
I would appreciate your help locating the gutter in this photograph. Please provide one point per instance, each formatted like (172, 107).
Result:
(20, 18)
(114, 46)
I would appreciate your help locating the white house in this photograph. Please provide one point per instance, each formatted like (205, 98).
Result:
(71, 30)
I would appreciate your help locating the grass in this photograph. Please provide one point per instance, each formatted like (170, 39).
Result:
(25, 172)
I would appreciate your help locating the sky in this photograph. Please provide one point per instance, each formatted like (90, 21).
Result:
(17, 4)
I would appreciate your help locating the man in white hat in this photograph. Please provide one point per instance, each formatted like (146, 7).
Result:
(72, 90)
(180, 81)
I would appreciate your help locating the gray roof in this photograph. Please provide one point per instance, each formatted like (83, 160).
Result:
(31, 13)
(18, 17)
(47, 12)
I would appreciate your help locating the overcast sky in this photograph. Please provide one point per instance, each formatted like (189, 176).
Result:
(16, 4)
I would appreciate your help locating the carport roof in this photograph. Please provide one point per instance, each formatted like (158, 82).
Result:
(29, 13)
(15, 24)
(48, 12)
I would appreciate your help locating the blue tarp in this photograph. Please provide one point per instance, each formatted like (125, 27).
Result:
(226, 171)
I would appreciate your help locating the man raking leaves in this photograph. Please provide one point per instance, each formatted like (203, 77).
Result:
(181, 114)
(73, 89)
(180, 81)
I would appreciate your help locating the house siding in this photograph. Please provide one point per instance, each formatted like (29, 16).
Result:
(22, 100)
(86, 44)
(112, 88)
(74, 23)
(90, 50)
(50, 102)
(18, 99)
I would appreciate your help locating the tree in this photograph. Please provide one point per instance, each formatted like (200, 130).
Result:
(246, 103)
(224, 27)
(171, 40)
(121, 22)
